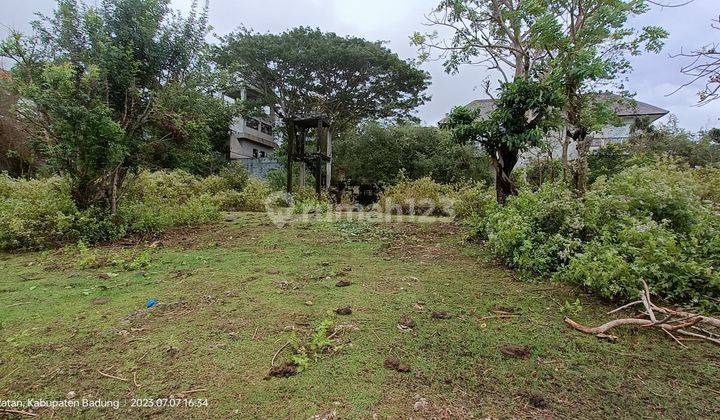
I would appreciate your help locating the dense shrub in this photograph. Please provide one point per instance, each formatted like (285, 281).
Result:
(158, 200)
(708, 181)
(141, 217)
(534, 231)
(472, 201)
(651, 222)
(420, 197)
(236, 176)
(35, 213)
(277, 179)
(375, 154)
(253, 196)
(40, 213)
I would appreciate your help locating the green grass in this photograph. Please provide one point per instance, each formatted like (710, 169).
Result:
(223, 314)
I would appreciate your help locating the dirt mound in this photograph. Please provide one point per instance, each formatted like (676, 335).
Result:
(518, 352)
(393, 363)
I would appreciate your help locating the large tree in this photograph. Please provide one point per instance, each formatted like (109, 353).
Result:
(107, 86)
(590, 53)
(307, 71)
(526, 112)
(582, 45)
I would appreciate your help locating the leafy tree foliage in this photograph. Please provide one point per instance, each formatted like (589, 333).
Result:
(526, 111)
(506, 36)
(581, 45)
(305, 71)
(16, 157)
(107, 88)
(377, 154)
(592, 43)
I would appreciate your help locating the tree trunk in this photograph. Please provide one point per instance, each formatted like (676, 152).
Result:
(565, 143)
(114, 194)
(580, 177)
(504, 164)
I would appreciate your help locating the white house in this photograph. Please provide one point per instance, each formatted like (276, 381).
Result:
(628, 111)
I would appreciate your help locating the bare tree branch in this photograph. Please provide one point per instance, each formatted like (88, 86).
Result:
(703, 66)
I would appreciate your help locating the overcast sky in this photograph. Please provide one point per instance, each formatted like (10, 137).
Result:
(653, 79)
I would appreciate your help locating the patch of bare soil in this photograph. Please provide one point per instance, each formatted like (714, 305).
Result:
(344, 311)
(283, 371)
(423, 241)
(441, 315)
(406, 323)
(518, 352)
(537, 400)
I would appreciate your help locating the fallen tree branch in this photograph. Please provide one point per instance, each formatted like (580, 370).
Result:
(674, 321)
(272, 362)
(112, 376)
(624, 307)
(11, 411)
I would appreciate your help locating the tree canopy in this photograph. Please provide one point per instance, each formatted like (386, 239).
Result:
(592, 44)
(306, 71)
(108, 87)
(375, 154)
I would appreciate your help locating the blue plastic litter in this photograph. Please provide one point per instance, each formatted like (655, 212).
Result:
(150, 303)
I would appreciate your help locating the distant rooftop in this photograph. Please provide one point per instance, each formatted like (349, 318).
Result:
(622, 107)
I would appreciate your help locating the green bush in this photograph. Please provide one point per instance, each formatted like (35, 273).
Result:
(254, 195)
(419, 197)
(473, 201)
(235, 175)
(374, 153)
(534, 231)
(663, 192)
(647, 222)
(162, 186)
(95, 225)
(228, 200)
(277, 179)
(214, 184)
(708, 180)
(159, 200)
(35, 213)
(40, 213)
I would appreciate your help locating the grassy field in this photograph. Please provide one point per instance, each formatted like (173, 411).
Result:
(74, 325)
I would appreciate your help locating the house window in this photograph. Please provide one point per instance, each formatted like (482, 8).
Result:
(262, 153)
(255, 153)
